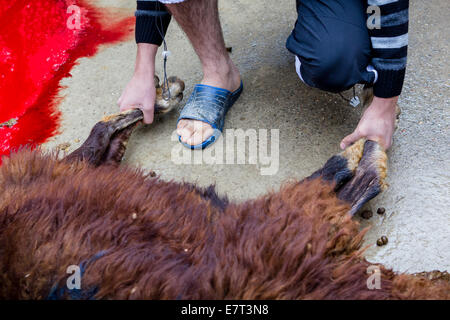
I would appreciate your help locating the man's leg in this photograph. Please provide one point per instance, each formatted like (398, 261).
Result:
(199, 19)
(332, 45)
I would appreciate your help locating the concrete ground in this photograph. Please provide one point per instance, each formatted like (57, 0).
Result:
(311, 123)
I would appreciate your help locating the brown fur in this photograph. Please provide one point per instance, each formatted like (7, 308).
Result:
(168, 240)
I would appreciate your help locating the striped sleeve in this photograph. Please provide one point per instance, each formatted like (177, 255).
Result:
(152, 21)
(390, 46)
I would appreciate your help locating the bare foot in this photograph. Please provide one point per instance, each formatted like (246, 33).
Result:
(194, 132)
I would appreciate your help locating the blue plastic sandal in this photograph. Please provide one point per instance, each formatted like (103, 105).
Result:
(209, 104)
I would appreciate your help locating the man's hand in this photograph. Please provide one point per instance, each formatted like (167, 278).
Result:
(377, 123)
(140, 92)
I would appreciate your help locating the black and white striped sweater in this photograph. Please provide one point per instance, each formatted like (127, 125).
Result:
(389, 43)
(390, 46)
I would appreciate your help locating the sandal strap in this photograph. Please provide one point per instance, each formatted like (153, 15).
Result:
(208, 104)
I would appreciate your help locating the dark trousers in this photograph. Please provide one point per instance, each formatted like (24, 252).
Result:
(332, 44)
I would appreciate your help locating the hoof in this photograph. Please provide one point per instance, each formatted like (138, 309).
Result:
(340, 168)
(168, 96)
(369, 177)
(108, 138)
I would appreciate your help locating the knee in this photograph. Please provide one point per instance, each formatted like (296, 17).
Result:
(330, 72)
(335, 68)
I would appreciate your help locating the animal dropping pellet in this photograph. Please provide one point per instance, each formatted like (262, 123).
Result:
(366, 214)
(382, 241)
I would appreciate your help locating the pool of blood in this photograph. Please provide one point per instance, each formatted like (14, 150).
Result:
(40, 43)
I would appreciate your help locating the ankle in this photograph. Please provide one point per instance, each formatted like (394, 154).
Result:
(225, 75)
(217, 67)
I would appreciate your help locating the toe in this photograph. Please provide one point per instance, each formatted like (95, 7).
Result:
(194, 132)
(207, 132)
(202, 131)
(182, 124)
(195, 139)
(202, 135)
(185, 133)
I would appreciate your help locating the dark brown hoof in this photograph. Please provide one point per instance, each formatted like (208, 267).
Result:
(340, 168)
(108, 139)
(369, 179)
(358, 173)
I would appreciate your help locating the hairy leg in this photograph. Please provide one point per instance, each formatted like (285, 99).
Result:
(199, 19)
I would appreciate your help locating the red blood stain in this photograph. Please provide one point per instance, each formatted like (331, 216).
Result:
(39, 47)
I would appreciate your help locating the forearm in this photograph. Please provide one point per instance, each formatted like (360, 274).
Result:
(145, 60)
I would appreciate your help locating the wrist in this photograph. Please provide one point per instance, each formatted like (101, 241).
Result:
(384, 104)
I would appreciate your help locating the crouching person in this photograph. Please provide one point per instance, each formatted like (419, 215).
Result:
(335, 48)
